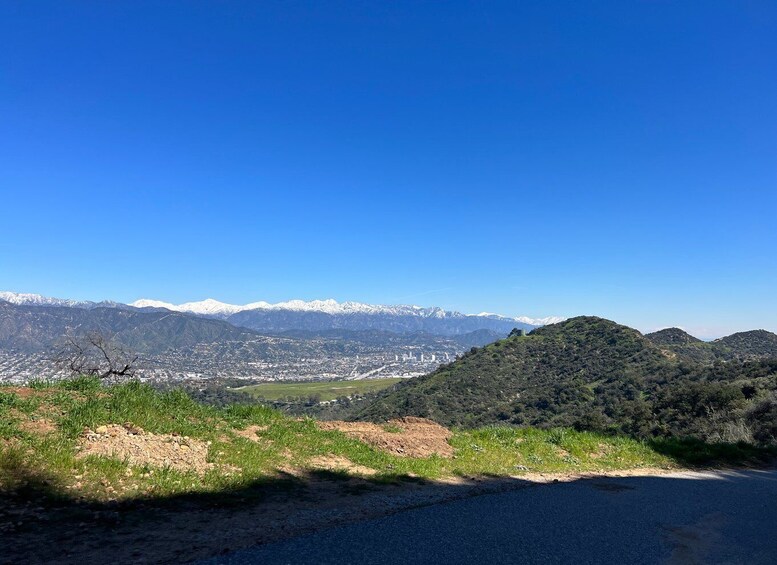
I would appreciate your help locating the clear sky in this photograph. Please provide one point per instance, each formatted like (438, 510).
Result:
(527, 158)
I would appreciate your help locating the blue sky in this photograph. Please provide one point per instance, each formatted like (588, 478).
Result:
(608, 158)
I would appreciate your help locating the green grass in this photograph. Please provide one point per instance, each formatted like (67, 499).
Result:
(328, 390)
(48, 463)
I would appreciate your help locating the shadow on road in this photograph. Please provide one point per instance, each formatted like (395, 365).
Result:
(38, 524)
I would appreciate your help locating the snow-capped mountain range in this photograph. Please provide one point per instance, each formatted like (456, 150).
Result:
(27, 299)
(314, 315)
(211, 307)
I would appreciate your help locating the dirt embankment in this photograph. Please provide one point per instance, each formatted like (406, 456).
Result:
(139, 448)
(406, 437)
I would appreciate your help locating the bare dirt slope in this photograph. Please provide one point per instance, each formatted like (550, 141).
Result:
(406, 437)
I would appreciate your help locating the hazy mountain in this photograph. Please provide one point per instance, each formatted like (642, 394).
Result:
(315, 315)
(177, 344)
(37, 328)
(26, 299)
(211, 307)
(439, 323)
(319, 315)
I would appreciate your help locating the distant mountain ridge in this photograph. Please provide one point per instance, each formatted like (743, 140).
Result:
(36, 328)
(316, 315)
(179, 345)
(213, 307)
(28, 299)
(320, 315)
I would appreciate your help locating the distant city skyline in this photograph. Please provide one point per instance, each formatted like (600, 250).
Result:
(614, 159)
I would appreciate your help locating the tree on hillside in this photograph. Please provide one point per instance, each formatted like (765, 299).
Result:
(96, 355)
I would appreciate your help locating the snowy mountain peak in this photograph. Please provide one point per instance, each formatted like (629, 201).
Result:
(28, 299)
(546, 321)
(211, 307)
(146, 303)
(25, 298)
(216, 308)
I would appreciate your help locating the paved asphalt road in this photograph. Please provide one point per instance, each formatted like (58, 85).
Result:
(720, 517)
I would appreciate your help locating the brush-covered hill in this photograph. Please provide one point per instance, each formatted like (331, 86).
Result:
(742, 346)
(682, 346)
(672, 336)
(592, 373)
(512, 379)
(755, 344)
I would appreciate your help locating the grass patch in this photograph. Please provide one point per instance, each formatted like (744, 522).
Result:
(323, 391)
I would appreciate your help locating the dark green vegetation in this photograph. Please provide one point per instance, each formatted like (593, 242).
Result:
(316, 391)
(672, 336)
(593, 374)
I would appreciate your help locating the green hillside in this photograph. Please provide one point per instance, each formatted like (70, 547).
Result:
(748, 345)
(594, 374)
(672, 336)
(742, 346)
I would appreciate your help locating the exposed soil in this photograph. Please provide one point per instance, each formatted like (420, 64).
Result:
(39, 427)
(338, 463)
(138, 448)
(251, 432)
(23, 391)
(417, 437)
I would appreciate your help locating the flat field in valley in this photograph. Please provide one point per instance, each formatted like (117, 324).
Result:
(326, 390)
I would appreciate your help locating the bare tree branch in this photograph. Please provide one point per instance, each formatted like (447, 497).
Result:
(96, 355)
